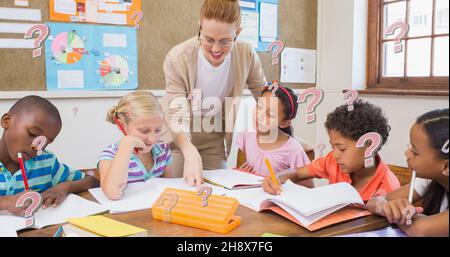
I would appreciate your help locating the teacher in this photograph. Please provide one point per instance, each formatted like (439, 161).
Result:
(219, 67)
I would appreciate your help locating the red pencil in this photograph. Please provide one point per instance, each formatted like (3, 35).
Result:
(24, 173)
(125, 133)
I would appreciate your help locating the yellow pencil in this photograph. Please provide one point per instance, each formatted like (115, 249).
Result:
(272, 174)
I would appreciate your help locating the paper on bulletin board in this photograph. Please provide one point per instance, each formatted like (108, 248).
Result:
(298, 66)
(117, 12)
(250, 25)
(91, 57)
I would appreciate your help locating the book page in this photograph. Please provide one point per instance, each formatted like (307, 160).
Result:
(232, 179)
(72, 207)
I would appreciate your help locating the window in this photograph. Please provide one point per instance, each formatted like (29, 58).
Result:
(422, 64)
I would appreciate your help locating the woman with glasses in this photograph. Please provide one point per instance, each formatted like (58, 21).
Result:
(216, 66)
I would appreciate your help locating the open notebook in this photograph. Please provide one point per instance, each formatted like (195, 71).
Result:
(232, 179)
(311, 208)
(142, 195)
(72, 207)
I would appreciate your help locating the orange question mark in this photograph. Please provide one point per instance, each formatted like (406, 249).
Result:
(404, 28)
(280, 47)
(36, 201)
(140, 16)
(170, 201)
(43, 34)
(207, 190)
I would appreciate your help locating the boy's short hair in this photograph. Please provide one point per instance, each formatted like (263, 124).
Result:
(365, 118)
(34, 103)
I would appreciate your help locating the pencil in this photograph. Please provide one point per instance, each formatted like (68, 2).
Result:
(58, 232)
(24, 173)
(272, 173)
(411, 188)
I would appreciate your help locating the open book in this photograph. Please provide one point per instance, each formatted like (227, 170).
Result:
(142, 195)
(72, 207)
(232, 179)
(311, 208)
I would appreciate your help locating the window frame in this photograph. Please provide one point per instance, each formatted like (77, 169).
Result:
(375, 80)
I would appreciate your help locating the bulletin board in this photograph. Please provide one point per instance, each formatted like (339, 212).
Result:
(164, 25)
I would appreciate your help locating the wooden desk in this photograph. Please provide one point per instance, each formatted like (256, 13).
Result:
(253, 224)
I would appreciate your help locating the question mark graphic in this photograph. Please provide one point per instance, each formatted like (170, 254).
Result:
(317, 98)
(319, 150)
(409, 213)
(140, 16)
(207, 190)
(274, 87)
(351, 97)
(43, 34)
(36, 201)
(171, 200)
(280, 47)
(38, 144)
(75, 110)
(376, 140)
(404, 28)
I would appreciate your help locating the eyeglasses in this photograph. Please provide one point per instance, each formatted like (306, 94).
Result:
(212, 42)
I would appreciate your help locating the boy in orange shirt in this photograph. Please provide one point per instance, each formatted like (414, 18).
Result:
(346, 162)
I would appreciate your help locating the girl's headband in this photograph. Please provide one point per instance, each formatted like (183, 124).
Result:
(276, 86)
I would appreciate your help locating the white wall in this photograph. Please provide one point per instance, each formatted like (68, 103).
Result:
(342, 32)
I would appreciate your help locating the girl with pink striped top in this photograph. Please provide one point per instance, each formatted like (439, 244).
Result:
(273, 136)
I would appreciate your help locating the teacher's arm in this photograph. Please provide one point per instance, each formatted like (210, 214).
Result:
(178, 118)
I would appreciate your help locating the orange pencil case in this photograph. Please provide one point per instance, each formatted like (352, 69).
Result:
(185, 208)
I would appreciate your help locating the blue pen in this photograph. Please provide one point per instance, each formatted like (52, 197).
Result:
(58, 232)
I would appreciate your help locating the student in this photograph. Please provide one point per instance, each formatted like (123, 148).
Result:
(346, 162)
(30, 117)
(139, 155)
(428, 156)
(273, 139)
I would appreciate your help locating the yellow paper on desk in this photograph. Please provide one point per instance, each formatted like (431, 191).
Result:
(106, 227)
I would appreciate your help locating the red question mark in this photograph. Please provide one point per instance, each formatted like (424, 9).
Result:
(317, 94)
(351, 97)
(376, 140)
(280, 47)
(140, 16)
(207, 190)
(36, 201)
(38, 144)
(43, 34)
(404, 28)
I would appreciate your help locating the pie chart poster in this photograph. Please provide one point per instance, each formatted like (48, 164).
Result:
(91, 57)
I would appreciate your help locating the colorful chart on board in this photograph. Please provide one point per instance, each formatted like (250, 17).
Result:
(114, 71)
(68, 48)
(91, 57)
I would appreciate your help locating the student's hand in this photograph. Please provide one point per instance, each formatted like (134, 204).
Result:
(135, 144)
(193, 167)
(247, 167)
(270, 187)
(394, 211)
(8, 203)
(54, 196)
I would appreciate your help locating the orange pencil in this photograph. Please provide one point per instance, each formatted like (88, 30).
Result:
(136, 152)
(272, 174)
